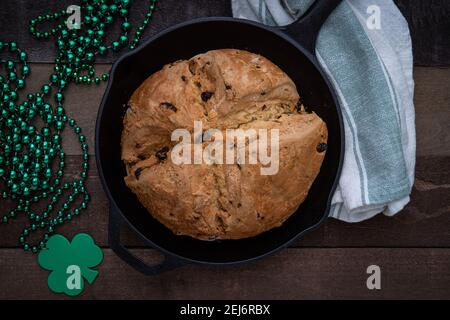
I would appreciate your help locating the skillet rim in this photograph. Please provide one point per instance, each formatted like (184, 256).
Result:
(285, 36)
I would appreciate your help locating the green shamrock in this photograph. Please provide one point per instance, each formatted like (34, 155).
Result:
(70, 262)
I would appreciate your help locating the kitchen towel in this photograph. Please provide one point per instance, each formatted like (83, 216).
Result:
(370, 66)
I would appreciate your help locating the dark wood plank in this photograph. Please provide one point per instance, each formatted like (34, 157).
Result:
(432, 105)
(422, 224)
(290, 274)
(427, 19)
(167, 13)
(429, 25)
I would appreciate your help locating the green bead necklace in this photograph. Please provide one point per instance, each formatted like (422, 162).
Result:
(32, 159)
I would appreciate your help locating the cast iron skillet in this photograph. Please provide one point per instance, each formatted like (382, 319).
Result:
(183, 41)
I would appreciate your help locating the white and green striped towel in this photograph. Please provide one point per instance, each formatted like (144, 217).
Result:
(371, 70)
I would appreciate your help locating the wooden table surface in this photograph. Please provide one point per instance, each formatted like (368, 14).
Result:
(412, 248)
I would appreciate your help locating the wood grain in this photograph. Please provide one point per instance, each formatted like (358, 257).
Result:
(411, 248)
(432, 105)
(291, 274)
(167, 13)
(428, 22)
(424, 222)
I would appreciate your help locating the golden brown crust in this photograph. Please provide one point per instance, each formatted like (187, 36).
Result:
(224, 89)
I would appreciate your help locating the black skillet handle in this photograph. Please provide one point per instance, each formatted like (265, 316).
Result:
(306, 29)
(116, 221)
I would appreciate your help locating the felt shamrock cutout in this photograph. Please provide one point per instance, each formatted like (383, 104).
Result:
(70, 262)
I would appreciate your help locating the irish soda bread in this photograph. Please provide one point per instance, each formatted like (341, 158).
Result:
(223, 89)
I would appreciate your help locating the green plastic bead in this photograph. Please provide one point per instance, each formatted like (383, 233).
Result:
(13, 46)
(14, 188)
(59, 97)
(45, 131)
(25, 70)
(20, 83)
(115, 45)
(26, 191)
(46, 89)
(23, 56)
(62, 84)
(123, 40)
(102, 50)
(53, 78)
(12, 76)
(126, 26)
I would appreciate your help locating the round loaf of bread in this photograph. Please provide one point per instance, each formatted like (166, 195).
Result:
(222, 89)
